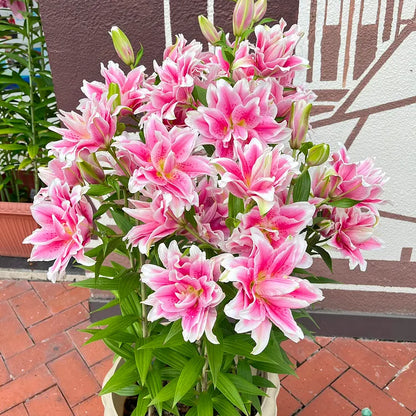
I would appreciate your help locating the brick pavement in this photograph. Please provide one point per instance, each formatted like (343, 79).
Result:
(45, 370)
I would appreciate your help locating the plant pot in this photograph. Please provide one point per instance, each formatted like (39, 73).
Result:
(16, 223)
(114, 404)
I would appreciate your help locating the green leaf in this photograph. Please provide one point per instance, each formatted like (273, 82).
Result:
(175, 328)
(143, 360)
(154, 384)
(33, 150)
(100, 283)
(343, 203)
(139, 56)
(115, 325)
(129, 282)
(123, 350)
(244, 386)
(302, 187)
(204, 406)
(99, 190)
(235, 206)
(263, 382)
(166, 393)
(11, 146)
(122, 221)
(229, 390)
(215, 356)
(124, 376)
(324, 255)
(142, 405)
(172, 358)
(189, 376)
(224, 407)
(200, 94)
(190, 217)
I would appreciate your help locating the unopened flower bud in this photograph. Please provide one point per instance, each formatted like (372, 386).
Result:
(122, 46)
(90, 169)
(299, 122)
(318, 154)
(242, 16)
(260, 7)
(208, 30)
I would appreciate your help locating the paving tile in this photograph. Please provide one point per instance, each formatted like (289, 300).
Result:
(48, 290)
(13, 337)
(77, 384)
(52, 400)
(323, 341)
(92, 353)
(301, 350)
(39, 354)
(287, 405)
(403, 388)
(58, 323)
(314, 376)
(4, 372)
(365, 361)
(398, 353)
(12, 288)
(29, 308)
(19, 410)
(359, 391)
(5, 310)
(329, 402)
(33, 382)
(101, 369)
(90, 407)
(67, 299)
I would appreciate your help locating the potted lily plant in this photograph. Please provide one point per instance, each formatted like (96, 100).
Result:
(203, 178)
(27, 109)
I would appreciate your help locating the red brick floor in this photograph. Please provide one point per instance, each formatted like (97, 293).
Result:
(45, 370)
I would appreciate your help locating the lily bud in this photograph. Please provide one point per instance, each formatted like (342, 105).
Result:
(122, 45)
(299, 122)
(242, 16)
(318, 154)
(260, 7)
(208, 30)
(90, 169)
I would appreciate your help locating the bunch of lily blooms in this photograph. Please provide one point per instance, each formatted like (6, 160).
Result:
(211, 159)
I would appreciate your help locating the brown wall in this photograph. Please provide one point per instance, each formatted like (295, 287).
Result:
(76, 33)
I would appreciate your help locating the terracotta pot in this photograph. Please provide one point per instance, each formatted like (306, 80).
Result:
(114, 404)
(16, 223)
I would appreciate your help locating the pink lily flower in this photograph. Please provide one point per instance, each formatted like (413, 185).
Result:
(133, 86)
(60, 170)
(65, 217)
(15, 6)
(266, 291)
(158, 222)
(274, 52)
(237, 115)
(259, 173)
(280, 223)
(185, 288)
(166, 162)
(344, 179)
(92, 130)
(351, 230)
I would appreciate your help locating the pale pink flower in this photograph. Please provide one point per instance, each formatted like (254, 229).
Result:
(56, 169)
(281, 222)
(344, 179)
(258, 173)
(211, 212)
(157, 222)
(166, 162)
(185, 288)
(133, 86)
(92, 130)
(266, 291)
(274, 52)
(16, 7)
(183, 67)
(237, 114)
(65, 217)
(351, 230)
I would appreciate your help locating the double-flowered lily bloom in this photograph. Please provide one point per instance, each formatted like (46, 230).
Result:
(185, 288)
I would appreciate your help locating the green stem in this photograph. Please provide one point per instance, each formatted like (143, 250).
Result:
(204, 379)
(30, 66)
(122, 167)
